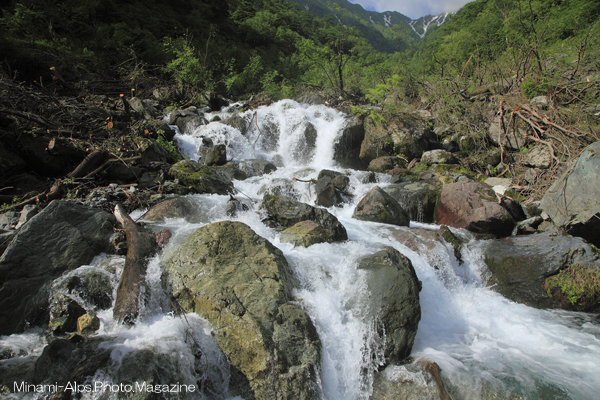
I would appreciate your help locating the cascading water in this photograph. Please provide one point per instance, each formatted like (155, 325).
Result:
(486, 345)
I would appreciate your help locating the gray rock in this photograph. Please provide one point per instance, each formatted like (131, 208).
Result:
(538, 157)
(417, 199)
(26, 214)
(62, 237)
(540, 102)
(394, 301)
(64, 312)
(237, 122)
(521, 264)
(200, 178)
(378, 206)
(438, 157)
(512, 137)
(573, 201)
(283, 212)
(242, 285)
(216, 155)
(257, 167)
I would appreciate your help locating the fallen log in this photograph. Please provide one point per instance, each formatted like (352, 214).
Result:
(90, 162)
(435, 370)
(140, 246)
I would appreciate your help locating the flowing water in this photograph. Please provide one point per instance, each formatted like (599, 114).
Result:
(486, 345)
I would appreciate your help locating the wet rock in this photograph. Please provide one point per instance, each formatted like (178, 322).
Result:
(394, 300)
(62, 237)
(452, 240)
(216, 155)
(418, 199)
(232, 171)
(280, 187)
(163, 237)
(64, 312)
(283, 212)
(93, 287)
(257, 167)
(200, 178)
(346, 150)
(407, 381)
(305, 146)
(386, 163)
(473, 206)
(242, 285)
(305, 233)
(521, 264)
(237, 122)
(378, 206)
(438, 157)
(52, 365)
(88, 324)
(178, 207)
(573, 202)
(406, 134)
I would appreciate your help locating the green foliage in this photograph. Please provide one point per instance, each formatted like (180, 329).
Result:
(185, 67)
(579, 284)
(535, 87)
(174, 154)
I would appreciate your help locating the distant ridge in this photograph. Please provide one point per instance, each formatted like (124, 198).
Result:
(387, 32)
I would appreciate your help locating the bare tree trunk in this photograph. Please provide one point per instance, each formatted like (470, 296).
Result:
(140, 246)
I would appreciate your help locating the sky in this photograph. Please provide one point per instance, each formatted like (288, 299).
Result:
(412, 8)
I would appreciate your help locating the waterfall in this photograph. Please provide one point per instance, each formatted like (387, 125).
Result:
(485, 344)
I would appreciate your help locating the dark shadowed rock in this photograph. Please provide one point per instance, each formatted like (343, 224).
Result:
(242, 285)
(346, 150)
(418, 199)
(407, 134)
(473, 206)
(200, 178)
(573, 201)
(394, 300)
(378, 206)
(521, 264)
(283, 212)
(62, 237)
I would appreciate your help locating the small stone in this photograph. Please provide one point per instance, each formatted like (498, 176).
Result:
(88, 324)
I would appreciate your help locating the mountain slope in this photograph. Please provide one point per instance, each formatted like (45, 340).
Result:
(387, 32)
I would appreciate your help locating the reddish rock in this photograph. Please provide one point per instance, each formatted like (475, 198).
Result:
(473, 206)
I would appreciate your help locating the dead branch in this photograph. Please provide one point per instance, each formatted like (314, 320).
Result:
(90, 162)
(140, 246)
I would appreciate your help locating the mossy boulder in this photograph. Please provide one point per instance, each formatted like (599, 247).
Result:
(284, 212)
(242, 285)
(577, 288)
(520, 265)
(305, 233)
(200, 178)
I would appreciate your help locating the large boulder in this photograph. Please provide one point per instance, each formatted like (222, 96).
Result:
(473, 206)
(242, 285)
(438, 156)
(200, 178)
(284, 212)
(406, 134)
(418, 199)
(62, 237)
(521, 264)
(386, 164)
(378, 206)
(346, 149)
(331, 188)
(256, 167)
(573, 201)
(394, 301)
